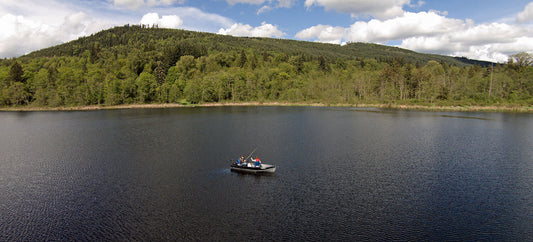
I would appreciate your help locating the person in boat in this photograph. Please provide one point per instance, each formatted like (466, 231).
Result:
(241, 161)
(257, 161)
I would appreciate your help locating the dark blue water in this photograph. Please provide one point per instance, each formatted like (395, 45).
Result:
(343, 174)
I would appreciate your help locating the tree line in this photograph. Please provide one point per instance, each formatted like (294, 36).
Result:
(118, 70)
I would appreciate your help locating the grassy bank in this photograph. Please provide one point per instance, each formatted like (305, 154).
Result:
(434, 108)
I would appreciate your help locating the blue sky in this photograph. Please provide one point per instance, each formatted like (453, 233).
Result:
(478, 29)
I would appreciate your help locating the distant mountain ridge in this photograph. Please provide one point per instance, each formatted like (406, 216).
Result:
(143, 37)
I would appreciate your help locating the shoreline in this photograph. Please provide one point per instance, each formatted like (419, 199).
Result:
(433, 108)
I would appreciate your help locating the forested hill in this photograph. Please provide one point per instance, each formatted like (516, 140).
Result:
(137, 65)
(163, 40)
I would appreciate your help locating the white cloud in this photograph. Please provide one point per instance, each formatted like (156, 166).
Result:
(137, 4)
(437, 44)
(29, 25)
(76, 23)
(418, 4)
(520, 44)
(285, 3)
(263, 9)
(491, 41)
(432, 32)
(35, 10)
(408, 25)
(280, 4)
(167, 21)
(324, 33)
(271, 4)
(131, 4)
(265, 30)
(198, 20)
(486, 34)
(526, 15)
(382, 9)
(22, 35)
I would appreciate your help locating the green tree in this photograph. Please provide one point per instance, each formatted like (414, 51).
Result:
(322, 64)
(521, 60)
(41, 80)
(16, 73)
(242, 59)
(254, 62)
(17, 93)
(146, 87)
(186, 65)
(113, 91)
(159, 73)
(193, 91)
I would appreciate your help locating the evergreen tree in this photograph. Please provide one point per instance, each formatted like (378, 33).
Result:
(16, 73)
(242, 59)
(322, 64)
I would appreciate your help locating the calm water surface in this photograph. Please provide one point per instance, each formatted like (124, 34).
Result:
(343, 174)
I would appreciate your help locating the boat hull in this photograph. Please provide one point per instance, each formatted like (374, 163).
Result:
(264, 168)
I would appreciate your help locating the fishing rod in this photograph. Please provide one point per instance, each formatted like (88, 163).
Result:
(251, 154)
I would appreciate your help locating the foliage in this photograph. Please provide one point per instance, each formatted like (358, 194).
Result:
(135, 64)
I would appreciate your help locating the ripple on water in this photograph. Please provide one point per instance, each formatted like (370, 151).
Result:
(342, 175)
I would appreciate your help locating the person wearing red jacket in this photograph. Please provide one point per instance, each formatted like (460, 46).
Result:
(257, 161)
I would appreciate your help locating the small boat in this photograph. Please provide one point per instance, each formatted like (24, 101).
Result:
(251, 168)
(254, 166)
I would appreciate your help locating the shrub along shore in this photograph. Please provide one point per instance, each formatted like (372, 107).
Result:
(391, 106)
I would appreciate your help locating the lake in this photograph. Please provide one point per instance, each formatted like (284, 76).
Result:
(342, 174)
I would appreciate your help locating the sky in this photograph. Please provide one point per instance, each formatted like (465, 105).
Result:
(478, 29)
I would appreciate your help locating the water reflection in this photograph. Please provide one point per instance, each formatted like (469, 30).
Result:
(163, 174)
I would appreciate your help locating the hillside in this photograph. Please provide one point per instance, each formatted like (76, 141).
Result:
(140, 65)
(138, 37)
